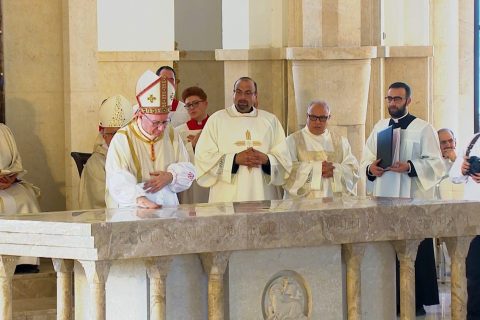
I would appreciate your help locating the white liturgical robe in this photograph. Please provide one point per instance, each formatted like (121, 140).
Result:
(308, 151)
(418, 144)
(228, 132)
(196, 193)
(21, 196)
(92, 182)
(131, 153)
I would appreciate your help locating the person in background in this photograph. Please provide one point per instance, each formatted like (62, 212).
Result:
(114, 113)
(196, 104)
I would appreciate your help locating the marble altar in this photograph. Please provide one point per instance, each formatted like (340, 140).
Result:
(151, 244)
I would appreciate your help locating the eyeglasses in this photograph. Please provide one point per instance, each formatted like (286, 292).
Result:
(313, 117)
(245, 93)
(157, 123)
(394, 99)
(193, 105)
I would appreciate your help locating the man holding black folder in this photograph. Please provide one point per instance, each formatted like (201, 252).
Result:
(414, 175)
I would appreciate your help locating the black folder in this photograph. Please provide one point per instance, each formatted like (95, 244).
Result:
(385, 147)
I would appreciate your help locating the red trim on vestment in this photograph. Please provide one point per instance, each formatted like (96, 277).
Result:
(194, 125)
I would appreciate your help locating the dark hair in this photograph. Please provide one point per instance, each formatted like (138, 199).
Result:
(166, 68)
(194, 91)
(398, 85)
(245, 79)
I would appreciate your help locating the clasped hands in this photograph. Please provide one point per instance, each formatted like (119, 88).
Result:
(159, 180)
(466, 166)
(251, 158)
(7, 181)
(399, 167)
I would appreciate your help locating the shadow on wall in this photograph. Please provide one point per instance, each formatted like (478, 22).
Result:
(40, 142)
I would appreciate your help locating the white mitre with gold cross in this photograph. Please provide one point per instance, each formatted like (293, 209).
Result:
(154, 94)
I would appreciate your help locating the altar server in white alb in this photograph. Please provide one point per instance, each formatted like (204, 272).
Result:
(196, 104)
(323, 163)
(415, 175)
(242, 154)
(114, 113)
(147, 163)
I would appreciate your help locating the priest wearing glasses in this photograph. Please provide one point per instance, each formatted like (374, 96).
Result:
(323, 163)
(147, 162)
(415, 175)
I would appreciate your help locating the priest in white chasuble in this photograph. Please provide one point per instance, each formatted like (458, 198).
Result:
(114, 113)
(196, 104)
(419, 169)
(323, 163)
(16, 194)
(147, 163)
(242, 154)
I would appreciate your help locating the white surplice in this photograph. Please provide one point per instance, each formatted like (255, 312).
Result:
(228, 132)
(419, 144)
(196, 193)
(308, 151)
(92, 182)
(132, 153)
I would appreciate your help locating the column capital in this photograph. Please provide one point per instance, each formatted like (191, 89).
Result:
(7, 265)
(62, 265)
(215, 262)
(96, 271)
(158, 266)
(458, 246)
(406, 249)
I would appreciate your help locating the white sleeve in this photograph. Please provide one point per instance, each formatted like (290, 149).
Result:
(124, 188)
(455, 172)
(183, 176)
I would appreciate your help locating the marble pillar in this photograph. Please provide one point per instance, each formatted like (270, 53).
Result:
(353, 255)
(64, 270)
(157, 269)
(406, 253)
(96, 273)
(7, 268)
(458, 249)
(214, 264)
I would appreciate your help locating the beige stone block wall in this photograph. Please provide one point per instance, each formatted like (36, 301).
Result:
(199, 68)
(33, 57)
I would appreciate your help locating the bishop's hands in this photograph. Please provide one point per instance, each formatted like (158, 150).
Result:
(159, 180)
(251, 158)
(143, 202)
(399, 167)
(327, 169)
(7, 181)
(375, 170)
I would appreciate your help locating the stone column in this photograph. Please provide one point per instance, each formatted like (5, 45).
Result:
(157, 269)
(64, 270)
(458, 249)
(7, 268)
(406, 253)
(214, 265)
(96, 273)
(353, 255)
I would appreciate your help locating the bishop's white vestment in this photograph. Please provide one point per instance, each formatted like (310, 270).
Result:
(229, 132)
(308, 151)
(131, 153)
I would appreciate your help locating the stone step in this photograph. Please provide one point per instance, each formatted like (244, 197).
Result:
(35, 294)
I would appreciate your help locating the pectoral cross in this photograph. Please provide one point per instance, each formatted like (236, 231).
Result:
(151, 98)
(248, 142)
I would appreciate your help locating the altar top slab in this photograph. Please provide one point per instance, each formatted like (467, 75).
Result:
(133, 233)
